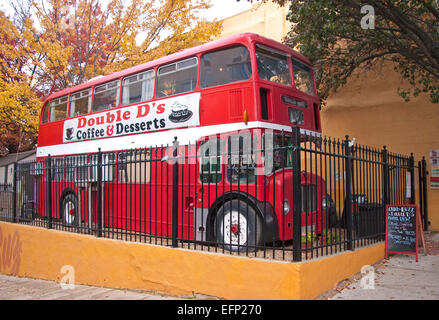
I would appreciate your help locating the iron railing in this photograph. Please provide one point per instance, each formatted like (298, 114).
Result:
(283, 195)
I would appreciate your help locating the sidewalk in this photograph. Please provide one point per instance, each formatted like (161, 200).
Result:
(399, 277)
(15, 288)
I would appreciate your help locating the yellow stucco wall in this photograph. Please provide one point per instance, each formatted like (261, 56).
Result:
(33, 252)
(368, 107)
(267, 19)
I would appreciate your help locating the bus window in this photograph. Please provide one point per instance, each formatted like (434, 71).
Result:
(44, 117)
(106, 96)
(210, 167)
(241, 165)
(283, 152)
(134, 166)
(80, 103)
(303, 77)
(77, 168)
(273, 65)
(58, 109)
(57, 169)
(225, 66)
(177, 78)
(138, 88)
(279, 152)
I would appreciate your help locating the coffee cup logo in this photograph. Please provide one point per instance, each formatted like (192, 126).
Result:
(69, 133)
(180, 113)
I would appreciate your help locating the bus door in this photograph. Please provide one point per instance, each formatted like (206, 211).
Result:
(209, 182)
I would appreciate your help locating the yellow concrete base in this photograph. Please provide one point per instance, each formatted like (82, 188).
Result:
(40, 253)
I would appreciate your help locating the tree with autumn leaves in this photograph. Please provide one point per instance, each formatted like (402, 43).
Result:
(49, 45)
(19, 104)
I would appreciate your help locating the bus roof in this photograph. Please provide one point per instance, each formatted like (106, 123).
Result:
(244, 38)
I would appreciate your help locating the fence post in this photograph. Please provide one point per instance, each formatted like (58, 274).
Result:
(386, 182)
(175, 194)
(348, 188)
(412, 179)
(49, 190)
(297, 196)
(99, 195)
(14, 193)
(421, 196)
(424, 191)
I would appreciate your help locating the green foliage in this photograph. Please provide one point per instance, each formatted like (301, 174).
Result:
(308, 237)
(332, 236)
(330, 34)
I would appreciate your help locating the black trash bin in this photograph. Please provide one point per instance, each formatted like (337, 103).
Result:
(367, 218)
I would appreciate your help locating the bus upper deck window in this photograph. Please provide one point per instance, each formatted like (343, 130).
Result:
(80, 103)
(303, 77)
(58, 109)
(138, 88)
(225, 66)
(106, 96)
(44, 112)
(273, 65)
(177, 78)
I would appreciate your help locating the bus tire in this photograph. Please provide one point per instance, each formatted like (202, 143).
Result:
(69, 209)
(238, 227)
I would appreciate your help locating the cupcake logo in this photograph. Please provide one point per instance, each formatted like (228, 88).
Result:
(179, 113)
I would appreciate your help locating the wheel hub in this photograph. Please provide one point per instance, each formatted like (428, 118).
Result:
(69, 213)
(235, 229)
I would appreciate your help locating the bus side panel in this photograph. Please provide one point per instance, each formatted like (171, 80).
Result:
(144, 206)
(187, 196)
(231, 99)
(40, 196)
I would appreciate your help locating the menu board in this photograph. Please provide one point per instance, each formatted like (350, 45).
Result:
(402, 229)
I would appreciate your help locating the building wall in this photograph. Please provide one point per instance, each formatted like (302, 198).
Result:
(2, 175)
(368, 107)
(9, 174)
(267, 19)
(10, 168)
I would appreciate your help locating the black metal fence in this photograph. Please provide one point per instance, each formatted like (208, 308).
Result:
(287, 195)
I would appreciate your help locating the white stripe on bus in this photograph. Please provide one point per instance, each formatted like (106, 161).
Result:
(184, 136)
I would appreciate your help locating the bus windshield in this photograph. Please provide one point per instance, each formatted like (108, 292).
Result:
(273, 65)
(303, 77)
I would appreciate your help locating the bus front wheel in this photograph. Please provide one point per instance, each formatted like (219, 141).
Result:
(238, 227)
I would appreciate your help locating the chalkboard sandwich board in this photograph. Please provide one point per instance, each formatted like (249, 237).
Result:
(402, 229)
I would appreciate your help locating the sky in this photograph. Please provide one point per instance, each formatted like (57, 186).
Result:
(225, 8)
(220, 8)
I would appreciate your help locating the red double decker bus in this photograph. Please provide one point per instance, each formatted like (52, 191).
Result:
(224, 95)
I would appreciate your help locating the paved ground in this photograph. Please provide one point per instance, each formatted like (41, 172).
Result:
(399, 277)
(15, 288)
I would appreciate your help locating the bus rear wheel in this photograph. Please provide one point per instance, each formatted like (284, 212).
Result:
(69, 209)
(238, 227)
